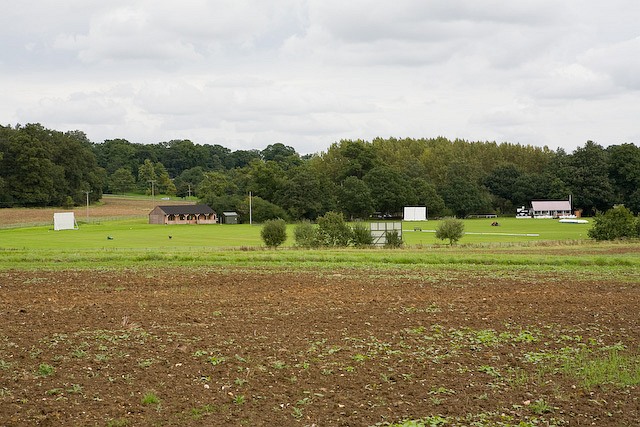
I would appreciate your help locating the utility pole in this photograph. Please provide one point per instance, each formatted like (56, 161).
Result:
(189, 190)
(87, 193)
(153, 197)
(250, 210)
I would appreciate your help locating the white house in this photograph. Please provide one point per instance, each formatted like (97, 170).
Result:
(551, 209)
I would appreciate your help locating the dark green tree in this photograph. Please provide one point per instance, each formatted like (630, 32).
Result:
(41, 167)
(274, 232)
(265, 178)
(589, 179)
(462, 194)
(283, 155)
(121, 181)
(305, 195)
(261, 210)
(188, 181)
(164, 183)
(624, 172)
(215, 184)
(425, 194)
(241, 158)
(389, 189)
(114, 154)
(147, 178)
(616, 223)
(354, 198)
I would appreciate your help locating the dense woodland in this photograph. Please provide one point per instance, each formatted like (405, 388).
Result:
(43, 167)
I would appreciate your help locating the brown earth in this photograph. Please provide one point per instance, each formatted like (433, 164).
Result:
(229, 346)
(109, 207)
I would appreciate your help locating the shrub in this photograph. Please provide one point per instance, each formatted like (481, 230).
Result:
(305, 235)
(617, 223)
(451, 229)
(361, 236)
(393, 239)
(333, 231)
(274, 232)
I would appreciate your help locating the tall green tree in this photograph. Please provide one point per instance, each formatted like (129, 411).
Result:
(114, 154)
(285, 156)
(305, 195)
(41, 167)
(624, 172)
(462, 194)
(354, 198)
(188, 181)
(265, 178)
(147, 178)
(389, 189)
(121, 181)
(425, 194)
(165, 184)
(589, 179)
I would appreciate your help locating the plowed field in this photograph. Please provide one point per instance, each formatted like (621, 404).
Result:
(231, 346)
(109, 207)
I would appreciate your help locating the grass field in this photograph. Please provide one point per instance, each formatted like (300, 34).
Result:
(119, 242)
(137, 233)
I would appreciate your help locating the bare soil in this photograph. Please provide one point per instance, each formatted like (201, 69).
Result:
(228, 346)
(109, 207)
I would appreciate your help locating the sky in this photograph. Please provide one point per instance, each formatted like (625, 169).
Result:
(245, 74)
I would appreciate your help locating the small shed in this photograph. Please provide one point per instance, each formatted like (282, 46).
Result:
(229, 217)
(183, 214)
(551, 209)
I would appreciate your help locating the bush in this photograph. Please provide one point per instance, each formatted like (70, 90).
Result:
(274, 232)
(393, 239)
(333, 231)
(617, 223)
(451, 229)
(361, 236)
(305, 235)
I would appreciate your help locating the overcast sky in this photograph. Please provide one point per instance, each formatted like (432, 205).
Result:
(307, 73)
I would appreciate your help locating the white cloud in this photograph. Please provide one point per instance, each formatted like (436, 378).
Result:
(310, 72)
(619, 60)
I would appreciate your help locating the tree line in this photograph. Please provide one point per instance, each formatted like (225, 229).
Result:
(42, 167)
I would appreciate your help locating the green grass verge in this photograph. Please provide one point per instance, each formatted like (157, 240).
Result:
(124, 243)
(137, 233)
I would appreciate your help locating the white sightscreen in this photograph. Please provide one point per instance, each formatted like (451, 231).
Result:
(64, 221)
(415, 213)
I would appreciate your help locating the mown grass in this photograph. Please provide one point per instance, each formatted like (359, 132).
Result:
(137, 233)
(132, 243)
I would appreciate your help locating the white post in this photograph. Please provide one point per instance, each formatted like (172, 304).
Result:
(87, 193)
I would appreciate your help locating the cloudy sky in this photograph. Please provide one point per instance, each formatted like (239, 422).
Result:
(248, 73)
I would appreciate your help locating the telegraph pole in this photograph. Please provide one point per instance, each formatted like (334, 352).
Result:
(153, 197)
(87, 193)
